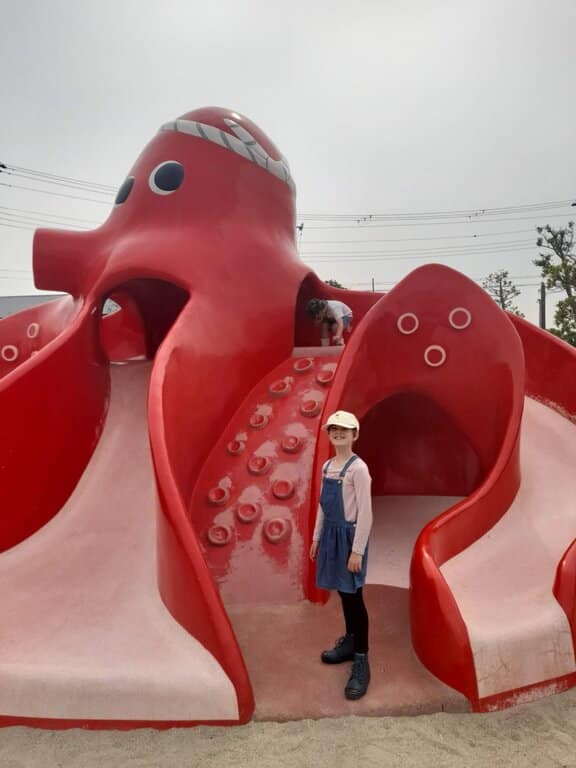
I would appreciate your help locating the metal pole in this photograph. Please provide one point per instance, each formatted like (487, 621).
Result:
(542, 303)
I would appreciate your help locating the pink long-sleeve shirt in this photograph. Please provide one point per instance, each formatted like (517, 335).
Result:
(357, 502)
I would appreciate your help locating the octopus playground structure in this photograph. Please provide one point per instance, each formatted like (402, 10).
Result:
(160, 468)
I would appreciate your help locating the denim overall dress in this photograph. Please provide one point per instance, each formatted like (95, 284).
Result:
(337, 538)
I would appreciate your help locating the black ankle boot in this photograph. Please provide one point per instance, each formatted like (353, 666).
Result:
(342, 651)
(360, 678)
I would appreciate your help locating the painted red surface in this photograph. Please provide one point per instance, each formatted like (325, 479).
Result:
(52, 407)
(251, 507)
(549, 378)
(211, 287)
(453, 429)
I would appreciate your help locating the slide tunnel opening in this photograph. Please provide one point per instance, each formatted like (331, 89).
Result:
(414, 447)
(136, 317)
(421, 464)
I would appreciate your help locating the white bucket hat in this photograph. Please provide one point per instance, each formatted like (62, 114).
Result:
(342, 419)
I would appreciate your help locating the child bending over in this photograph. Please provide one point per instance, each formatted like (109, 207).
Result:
(334, 317)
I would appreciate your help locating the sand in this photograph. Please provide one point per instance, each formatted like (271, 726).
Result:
(540, 734)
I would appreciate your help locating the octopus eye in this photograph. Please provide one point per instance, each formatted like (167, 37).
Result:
(166, 177)
(124, 191)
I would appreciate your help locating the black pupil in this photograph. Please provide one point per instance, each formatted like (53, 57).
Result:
(169, 177)
(124, 190)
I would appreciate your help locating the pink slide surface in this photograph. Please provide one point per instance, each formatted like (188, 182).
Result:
(524, 636)
(85, 634)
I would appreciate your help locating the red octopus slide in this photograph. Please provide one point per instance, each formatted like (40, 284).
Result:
(160, 463)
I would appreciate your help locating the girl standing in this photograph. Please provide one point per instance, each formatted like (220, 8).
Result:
(339, 544)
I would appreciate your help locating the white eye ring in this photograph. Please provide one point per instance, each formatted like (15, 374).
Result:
(435, 348)
(460, 326)
(9, 353)
(406, 316)
(152, 181)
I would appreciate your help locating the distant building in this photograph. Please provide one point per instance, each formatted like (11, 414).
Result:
(11, 304)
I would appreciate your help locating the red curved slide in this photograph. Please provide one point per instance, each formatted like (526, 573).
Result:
(452, 410)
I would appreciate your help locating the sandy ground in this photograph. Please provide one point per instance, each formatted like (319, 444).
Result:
(541, 734)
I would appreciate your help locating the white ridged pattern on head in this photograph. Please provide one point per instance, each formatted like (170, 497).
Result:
(243, 143)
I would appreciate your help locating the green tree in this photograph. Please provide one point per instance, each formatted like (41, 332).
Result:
(502, 290)
(334, 283)
(557, 262)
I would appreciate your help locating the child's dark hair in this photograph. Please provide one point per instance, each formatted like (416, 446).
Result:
(315, 306)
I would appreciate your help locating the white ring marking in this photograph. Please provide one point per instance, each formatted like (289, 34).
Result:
(435, 348)
(10, 353)
(400, 323)
(33, 330)
(465, 324)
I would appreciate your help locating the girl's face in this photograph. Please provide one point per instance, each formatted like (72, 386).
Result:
(319, 316)
(341, 437)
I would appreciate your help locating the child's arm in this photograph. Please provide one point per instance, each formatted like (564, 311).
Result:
(362, 483)
(319, 522)
(362, 490)
(339, 330)
(317, 532)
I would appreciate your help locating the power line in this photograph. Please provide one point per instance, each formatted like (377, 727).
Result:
(430, 223)
(425, 239)
(17, 218)
(472, 247)
(40, 180)
(390, 284)
(431, 259)
(16, 226)
(372, 219)
(407, 255)
(46, 214)
(398, 255)
(42, 215)
(435, 214)
(55, 178)
(54, 194)
(514, 278)
(22, 219)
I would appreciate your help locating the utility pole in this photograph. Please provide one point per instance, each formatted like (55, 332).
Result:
(300, 228)
(542, 303)
(373, 285)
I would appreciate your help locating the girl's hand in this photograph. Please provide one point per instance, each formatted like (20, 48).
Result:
(313, 550)
(355, 563)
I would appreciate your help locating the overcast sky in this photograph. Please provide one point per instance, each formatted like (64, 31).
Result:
(381, 107)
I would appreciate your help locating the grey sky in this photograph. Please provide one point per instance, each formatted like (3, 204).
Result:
(380, 106)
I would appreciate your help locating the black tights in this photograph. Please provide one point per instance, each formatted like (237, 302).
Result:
(356, 619)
